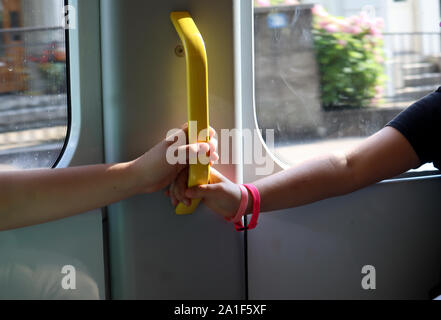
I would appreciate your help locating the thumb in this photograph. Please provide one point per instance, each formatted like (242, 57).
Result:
(199, 192)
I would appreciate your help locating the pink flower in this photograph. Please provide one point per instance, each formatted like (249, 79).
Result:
(331, 28)
(323, 24)
(343, 24)
(319, 11)
(379, 23)
(379, 93)
(263, 3)
(375, 101)
(374, 32)
(379, 59)
(379, 90)
(291, 2)
(365, 22)
(342, 42)
(356, 30)
(355, 21)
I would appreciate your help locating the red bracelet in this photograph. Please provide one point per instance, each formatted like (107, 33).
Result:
(256, 205)
(237, 220)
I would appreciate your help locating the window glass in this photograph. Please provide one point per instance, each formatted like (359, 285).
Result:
(329, 73)
(2, 48)
(33, 100)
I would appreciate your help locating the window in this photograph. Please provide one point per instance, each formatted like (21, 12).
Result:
(33, 83)
(329, 73)
(2, 44)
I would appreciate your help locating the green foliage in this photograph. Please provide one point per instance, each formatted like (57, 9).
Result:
(350, 58)
(274, 3)
(277, 2)
(55, 75)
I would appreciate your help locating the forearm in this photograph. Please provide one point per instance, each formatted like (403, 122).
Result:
(381, 156)
(38, 196)
(315, 180)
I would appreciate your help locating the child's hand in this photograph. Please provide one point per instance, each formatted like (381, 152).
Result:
(222, 196)
(152, 170)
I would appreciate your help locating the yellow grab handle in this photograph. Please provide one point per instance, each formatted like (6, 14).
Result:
(197, 97)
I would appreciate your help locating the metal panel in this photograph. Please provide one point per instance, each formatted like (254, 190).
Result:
(31, 259)
(155, 254)
(318, 251)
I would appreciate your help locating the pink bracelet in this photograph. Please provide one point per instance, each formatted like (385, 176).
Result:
(237, 220)
(243, 205)
(256, 205)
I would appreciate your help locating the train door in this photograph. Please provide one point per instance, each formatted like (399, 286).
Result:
(51, 127)
(155, 254)
(321, 251)
(382, 242)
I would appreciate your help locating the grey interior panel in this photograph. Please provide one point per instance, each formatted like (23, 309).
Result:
(318, 251)
(155, 254)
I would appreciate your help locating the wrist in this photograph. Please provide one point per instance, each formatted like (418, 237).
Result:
(249, 206)
(134, 176)
(250, 203)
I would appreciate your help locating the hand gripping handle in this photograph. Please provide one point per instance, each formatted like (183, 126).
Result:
(197, 97)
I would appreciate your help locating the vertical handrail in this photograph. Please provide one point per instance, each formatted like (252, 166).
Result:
(197, 97)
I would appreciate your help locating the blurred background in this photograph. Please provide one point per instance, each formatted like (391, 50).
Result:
(331, 72)
(328, 73)
(33, 101)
